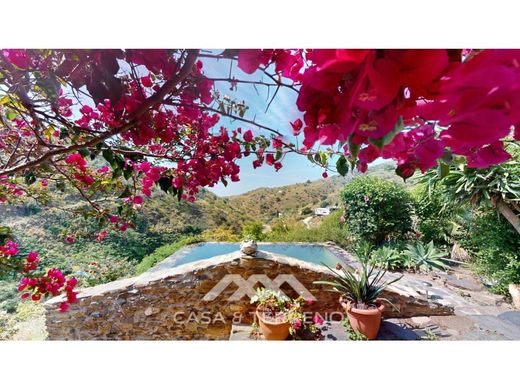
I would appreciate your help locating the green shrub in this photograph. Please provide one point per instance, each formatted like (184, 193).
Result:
(222, 234)
(279, 229)
(494, 246)
(330, 229)
(376, 209)
(105, 271)
(306, 211)
(437, 220)
(163, 252)
(253, 230)
(9, 296)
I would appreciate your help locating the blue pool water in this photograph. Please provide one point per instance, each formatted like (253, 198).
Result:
(316, 254)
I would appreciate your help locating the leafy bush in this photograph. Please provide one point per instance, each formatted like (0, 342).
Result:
(437, 220)
(163, 252)
(306, 211)
(104, 272)
(253, 230)
(330, 229)
(376, 209)
(220, 234)
(9, 296)
(494, 246)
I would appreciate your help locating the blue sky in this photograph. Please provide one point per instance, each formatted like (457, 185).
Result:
(296, 169)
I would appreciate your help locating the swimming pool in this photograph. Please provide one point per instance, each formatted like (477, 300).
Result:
(312, 253)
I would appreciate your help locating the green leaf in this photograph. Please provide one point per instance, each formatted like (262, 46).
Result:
(84, 152)
(5, 100)
(116, 172)
(324, 159)
(443, 170)
(10, 114)
(127, 172)
(29, 178)
(108, 155)
(342, 166)
(64, 133)
(165, 183)
(317, 158)
(60, 185)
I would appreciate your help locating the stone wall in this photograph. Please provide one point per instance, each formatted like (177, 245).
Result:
(173, 303)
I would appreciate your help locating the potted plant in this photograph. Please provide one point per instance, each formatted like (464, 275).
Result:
(279, 316)
(271, 311)
(360, 293)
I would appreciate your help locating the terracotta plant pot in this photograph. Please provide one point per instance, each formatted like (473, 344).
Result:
(364, 321)
(273, 330)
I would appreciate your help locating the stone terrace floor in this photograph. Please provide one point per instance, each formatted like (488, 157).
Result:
(478, 315)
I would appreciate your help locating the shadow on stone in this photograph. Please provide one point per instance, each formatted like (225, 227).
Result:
(393, 331)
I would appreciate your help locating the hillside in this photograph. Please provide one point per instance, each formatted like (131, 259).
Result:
(163, 218)
(296, 201)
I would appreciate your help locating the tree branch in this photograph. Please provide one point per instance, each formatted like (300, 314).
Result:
(155, 99)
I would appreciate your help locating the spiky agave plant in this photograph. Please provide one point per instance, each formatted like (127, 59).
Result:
(362, 287)
(426, 257)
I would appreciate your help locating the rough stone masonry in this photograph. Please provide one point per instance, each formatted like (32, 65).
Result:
(174, 304)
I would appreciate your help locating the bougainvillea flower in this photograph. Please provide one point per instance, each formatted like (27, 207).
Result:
(296, 126)
(248, 136)
(369, 153)
(406, 170)
(328, 134)
(249, 60)
(288, 63)
(489, 155)
(427, 153)
(17, 57)
(269, 159)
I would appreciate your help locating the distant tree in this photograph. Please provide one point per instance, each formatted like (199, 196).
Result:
(324, 203)
(306, 211)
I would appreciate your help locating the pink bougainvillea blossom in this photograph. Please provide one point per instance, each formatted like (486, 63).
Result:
(248, 136)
